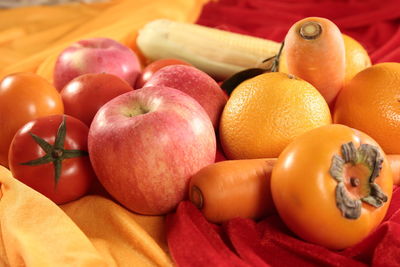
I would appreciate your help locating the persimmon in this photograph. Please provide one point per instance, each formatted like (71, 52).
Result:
(332, 186)
(233, 188)
(242, 188)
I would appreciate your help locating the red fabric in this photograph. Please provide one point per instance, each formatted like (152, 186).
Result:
(374, 23)
(241, 242)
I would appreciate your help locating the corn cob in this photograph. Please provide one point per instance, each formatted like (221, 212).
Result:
(218, 53)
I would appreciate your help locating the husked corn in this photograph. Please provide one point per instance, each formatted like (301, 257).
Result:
(218, 53)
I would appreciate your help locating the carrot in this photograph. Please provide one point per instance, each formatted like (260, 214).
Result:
(233, 188)
(315, 52)
(241, 188)
(394, 161)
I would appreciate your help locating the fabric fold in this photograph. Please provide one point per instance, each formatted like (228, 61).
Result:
(122, 237)
(92, 231)
(36, 232)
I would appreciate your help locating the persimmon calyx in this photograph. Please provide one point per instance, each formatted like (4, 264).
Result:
(355, 172)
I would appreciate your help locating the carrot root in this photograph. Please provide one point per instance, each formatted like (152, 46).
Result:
(310, 30)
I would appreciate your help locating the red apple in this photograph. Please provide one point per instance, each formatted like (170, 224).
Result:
(154, 66)
(146, 144)
(195, 83)
(96, 55)
(84, 95)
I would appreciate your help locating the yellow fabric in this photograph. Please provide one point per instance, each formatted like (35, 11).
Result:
(94, 230)
(32, 37)
(123, 238)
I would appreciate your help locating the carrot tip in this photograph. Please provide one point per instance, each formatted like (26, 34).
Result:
(196, 197)
(310, 30)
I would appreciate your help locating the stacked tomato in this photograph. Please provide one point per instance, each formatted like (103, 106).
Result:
(43, 148)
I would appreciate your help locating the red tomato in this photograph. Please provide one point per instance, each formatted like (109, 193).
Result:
(150, 69)
(24, 97)
(50, 155)
(84, 95)
(332, 186)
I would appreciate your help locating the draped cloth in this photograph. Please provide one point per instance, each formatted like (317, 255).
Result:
(95, 230)
(243, 242)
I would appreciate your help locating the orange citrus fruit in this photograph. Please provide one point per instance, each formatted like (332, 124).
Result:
(357, 58)
(370, 102)
(265, 113)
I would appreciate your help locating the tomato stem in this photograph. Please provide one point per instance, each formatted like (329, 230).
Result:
(55, 153)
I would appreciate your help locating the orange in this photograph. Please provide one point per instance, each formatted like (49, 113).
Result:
(265, 113)
(357, 58)
(370, 103)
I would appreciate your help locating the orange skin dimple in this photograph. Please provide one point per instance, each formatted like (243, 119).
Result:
(320, 61)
